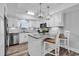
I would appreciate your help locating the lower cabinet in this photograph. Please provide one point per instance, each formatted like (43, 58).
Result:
(23, 37)
(35, 46)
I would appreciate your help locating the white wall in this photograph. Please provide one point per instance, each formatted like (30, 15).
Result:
(1, 30)
(12, 8)
(71, 17)
(11, 14)
(12, 21)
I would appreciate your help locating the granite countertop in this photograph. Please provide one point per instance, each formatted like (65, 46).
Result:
(38, 36)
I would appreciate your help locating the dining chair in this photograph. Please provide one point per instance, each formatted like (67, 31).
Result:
(52, 45)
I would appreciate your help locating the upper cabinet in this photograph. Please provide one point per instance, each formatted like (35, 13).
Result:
(56, 20)
(35, 24)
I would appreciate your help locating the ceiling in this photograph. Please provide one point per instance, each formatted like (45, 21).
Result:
(35, 7)
(21, 8)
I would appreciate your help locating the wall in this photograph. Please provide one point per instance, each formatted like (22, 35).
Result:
(11, 14)
(12, 8)
(12, 22)
(1, 30)
(71, 17)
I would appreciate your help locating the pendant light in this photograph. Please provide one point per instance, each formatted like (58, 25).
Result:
(48, 15)
(40, 12)
(40, 15)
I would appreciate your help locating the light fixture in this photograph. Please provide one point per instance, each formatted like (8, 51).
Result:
(40, 14)
(30, 13)
(48, 15)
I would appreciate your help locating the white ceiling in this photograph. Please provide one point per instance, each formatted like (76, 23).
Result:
(35, 7)
(21, 8)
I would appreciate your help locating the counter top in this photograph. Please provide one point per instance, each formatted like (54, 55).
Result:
(35, 36)
(38, 36)
(13, 30)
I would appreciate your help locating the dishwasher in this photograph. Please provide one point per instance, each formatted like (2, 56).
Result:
(13, 39)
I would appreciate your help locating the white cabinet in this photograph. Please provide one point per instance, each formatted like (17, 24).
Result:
(23, 37)
(35, 24)
(16, 39)
(56, 20)
(12, 22)
(35, 46)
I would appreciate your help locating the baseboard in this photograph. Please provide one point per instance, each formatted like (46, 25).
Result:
(72, 49)
(23, 43)
(75, 50)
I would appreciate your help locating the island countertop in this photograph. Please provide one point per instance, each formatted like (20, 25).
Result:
(38, 36)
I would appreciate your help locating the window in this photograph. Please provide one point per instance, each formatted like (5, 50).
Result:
(23, 23)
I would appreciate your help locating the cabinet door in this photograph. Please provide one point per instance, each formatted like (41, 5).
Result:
(20, 38)
(56, 20)
(16, 39)
(23, 37)
(34, 46)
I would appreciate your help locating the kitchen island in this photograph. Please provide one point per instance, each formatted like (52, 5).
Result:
(35, 44)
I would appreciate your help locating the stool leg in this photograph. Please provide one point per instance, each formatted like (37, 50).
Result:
(68, 47)
(44, 45)
(57, 51)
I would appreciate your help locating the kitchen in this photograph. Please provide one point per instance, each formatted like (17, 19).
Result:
(29, 24)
